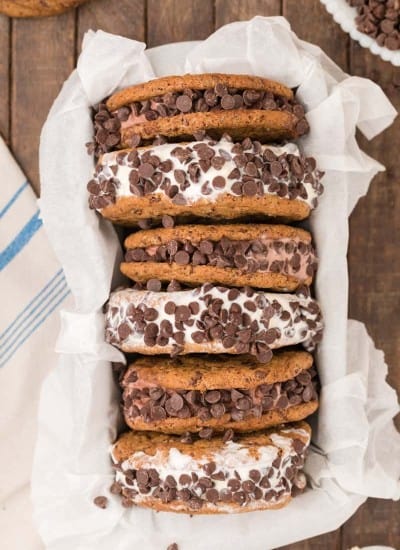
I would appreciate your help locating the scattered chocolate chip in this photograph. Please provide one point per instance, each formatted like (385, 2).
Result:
(101, 502)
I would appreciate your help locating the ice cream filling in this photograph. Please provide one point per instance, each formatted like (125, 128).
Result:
(206, 170)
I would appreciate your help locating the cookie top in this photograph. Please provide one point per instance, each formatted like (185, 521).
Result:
(197, 233)
(222, 372)
(175, 83)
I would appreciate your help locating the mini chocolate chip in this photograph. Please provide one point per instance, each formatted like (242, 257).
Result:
(255, 475)
(226, 495)
(234, 484)
(142, 476)
(184, 103)
(185, 479)
(218, 182)
(228, 435)
(116, 488)
(167, 221)
(209, 467)
(182, 258)
(101, 502)
(250, 188)
(212, 396)
(146, 170)
(150, 314)
(227, 102)
(212, 495)
(124, 331)
(206, 433)
(239, 497)
(153, 285)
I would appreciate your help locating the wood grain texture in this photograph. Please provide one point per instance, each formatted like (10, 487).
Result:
(314, 24)
(125, 17)
(5, 30)
(42, 58)
(178, 20)
(374, 270)
(241, 10)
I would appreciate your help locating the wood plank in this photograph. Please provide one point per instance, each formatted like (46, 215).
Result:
(42, 58)
(178, 20)
(240, 10)
(5, 30)
(374, 273)
(125, 17)
(374, 259)
(316, 25)
(375, 523)
(329, 541)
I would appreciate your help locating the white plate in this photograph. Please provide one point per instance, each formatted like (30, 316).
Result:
(345, 15)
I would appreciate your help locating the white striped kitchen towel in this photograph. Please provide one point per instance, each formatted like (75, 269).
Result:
(32, 289)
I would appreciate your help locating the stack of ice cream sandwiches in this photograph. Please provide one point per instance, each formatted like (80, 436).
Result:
(218, 323)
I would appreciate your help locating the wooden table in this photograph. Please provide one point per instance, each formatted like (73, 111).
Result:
(38, 55)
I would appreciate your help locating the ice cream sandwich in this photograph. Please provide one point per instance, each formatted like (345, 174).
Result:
(256, 471)
(211, 319)
(277, 257)
(178, 107)
(205, 179)
(194, 393)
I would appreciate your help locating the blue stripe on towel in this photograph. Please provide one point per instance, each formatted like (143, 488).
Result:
(13, 198)
(23, 237)
(5, 358)
(54, 290)
(28, 308)
(16, 335)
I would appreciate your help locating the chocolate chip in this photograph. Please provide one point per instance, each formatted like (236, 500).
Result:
(255, 475)
(206, 433)
(167, 221)
(212, 396)
(173, 546)
(226, 495)
(182, 258)
(239, 497)
(124, 331)
(184, 103)
(146, 170)
(174, 403)
(228, 435)
(150, 314)
(101, 502)
(153, 285)
(220, 89)
(218, 182)
(250, 188)
(227, 102)
(212, 495)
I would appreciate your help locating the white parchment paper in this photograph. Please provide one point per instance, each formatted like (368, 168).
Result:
(355, 443)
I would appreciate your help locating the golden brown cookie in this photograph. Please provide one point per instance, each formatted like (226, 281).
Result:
(211, 319)
(203, 180)
(178, 107)
(178, 83)
(256, 471)
(278, 257)
(192, 394)
(36, 8)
